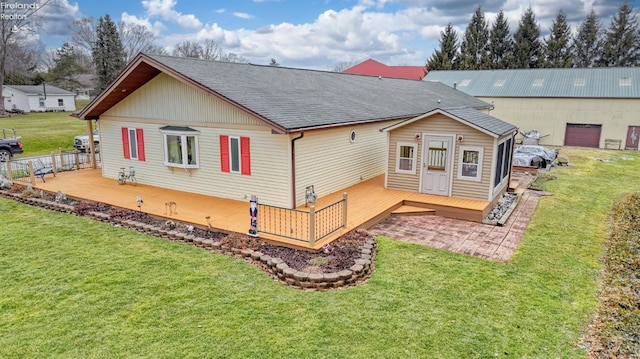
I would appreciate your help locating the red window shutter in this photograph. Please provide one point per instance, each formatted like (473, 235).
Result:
(245, 156)
(140, 139)
(125, 143)
(224, 153)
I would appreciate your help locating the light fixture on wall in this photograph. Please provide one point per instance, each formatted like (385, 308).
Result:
(417, 136)
(460, 138)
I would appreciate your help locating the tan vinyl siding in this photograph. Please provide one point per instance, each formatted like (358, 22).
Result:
(165, 98)
(328, 160)
(269, 164)
(550, 116)
(442, 125)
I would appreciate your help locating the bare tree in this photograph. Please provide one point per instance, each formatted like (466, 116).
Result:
(83, 33)
(137, 38)
(343, 66)
(233, 57)
(211, 50)
(188, 49)
(22, 61)
(15, 19)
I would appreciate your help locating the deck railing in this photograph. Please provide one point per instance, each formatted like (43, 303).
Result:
(23, 170)
(306, 226)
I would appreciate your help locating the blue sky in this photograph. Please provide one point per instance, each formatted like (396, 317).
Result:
(316, 33)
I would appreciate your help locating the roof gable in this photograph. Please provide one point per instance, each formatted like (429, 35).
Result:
(480, 121)
(599, 82)
(287, 99)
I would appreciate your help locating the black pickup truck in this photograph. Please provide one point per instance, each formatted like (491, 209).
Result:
(10, 144)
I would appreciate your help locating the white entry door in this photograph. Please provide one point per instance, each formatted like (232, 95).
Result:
(436, 164)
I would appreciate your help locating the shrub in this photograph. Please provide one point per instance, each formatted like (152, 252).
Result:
(616, 329)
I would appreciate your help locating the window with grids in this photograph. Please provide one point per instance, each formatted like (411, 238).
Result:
(406, 154)
(470, 163)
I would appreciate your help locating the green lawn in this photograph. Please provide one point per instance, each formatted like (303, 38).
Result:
(46, 132)
(75, 288)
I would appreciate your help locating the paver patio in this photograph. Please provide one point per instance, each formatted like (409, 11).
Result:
(496, 243)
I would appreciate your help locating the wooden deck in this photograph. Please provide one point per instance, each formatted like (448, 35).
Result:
(368, 203)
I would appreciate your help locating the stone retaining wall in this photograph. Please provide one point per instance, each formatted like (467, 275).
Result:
(275, 267)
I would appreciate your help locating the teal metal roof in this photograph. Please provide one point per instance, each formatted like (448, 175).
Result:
(599, 82)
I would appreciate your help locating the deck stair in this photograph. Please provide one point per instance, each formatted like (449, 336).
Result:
(408, 210)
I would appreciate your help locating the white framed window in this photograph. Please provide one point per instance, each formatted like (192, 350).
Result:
(470, 163)
(133, 144)
(234, 154)
(60, 102)
(406, 156)
(180, 147)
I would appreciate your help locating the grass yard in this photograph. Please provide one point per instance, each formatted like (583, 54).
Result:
(74, 288)
(46, 132)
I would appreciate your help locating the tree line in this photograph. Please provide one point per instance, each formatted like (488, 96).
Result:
(96, 53)
(485, 46)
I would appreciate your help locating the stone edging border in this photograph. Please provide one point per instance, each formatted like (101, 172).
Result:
(275, 267)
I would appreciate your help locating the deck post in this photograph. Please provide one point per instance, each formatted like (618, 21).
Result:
(9, 172)
(77, 155)
(61, 157)
(344, 209)
(312, 226)
(31, 173)
(53, 163)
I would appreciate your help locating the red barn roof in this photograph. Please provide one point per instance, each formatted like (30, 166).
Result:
(374, 68)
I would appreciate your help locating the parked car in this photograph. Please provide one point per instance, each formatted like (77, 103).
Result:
(10, 144)
(81, 142)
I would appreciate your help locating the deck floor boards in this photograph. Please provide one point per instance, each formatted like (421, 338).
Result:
(368, 202)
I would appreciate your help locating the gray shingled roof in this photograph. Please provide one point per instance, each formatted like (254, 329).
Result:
(37, 89)
(469, 116)
(600, 82)
(482, 120)
(299, 99)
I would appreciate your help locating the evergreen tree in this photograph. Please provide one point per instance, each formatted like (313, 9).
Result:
(527, 42)
(108, 54)
(621, 40)
(447, 57)
(587, 42)
(474, 50)
(557, 48)
(66, 65)
(500, 43)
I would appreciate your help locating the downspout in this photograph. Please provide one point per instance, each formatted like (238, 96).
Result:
(293, 167)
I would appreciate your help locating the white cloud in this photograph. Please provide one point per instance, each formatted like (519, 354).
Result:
(164, 9)
(243, 15)
(156, 27)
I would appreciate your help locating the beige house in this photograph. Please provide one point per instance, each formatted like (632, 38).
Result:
(233, 130)
(589, 107)
(455, 153)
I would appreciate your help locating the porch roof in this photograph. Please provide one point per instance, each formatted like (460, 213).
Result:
(479, 120)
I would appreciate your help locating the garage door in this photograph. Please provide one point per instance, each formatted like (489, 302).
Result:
(582, 135)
